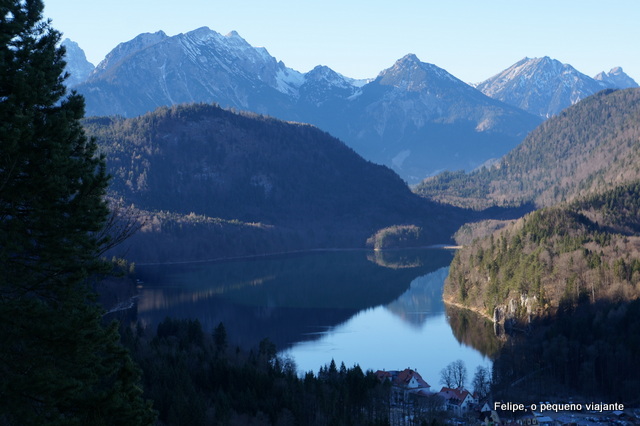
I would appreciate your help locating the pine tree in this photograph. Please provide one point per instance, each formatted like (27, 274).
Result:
(58, 363)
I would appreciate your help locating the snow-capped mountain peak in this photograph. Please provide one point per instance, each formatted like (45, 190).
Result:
(542, 86)
(409, 73)
(234, 52)
(124, 50)
(322, 85)
(616, 79)
(327, 76)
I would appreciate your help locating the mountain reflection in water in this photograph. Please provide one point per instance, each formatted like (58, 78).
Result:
(304, 299)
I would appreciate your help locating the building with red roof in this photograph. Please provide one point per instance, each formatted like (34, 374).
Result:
(458, 400)
(404, 384)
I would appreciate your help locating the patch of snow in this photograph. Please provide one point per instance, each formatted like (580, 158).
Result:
(484, 125)
(355, 95)
(263, 182)
(264, 53)
(487, 164)
(289, 80)
(163, 82)
(190, 48)
(202, 34)
(400, 158)
(359, 82)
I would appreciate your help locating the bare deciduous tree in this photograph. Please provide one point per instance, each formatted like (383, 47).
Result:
(454, 375)
(481, 381)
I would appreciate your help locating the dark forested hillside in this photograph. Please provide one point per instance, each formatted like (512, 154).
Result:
(553, 259)
(574, 273)
(188, 164)
(197, 378)
(590, 147)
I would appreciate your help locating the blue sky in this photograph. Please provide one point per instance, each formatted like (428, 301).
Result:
(471, 39)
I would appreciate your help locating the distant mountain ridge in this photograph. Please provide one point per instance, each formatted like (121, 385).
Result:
(420, 120)
(545, 86)
(423, 118)
(616, 78)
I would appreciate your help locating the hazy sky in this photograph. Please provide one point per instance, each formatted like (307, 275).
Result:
(471, 39)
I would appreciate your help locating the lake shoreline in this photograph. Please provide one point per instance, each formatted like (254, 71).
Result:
(292, 252)
(470, 309)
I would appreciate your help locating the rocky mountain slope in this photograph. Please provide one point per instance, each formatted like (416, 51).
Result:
(419, 119)
(78, 67)
(616, 78)
(153, 70)
(545, 86)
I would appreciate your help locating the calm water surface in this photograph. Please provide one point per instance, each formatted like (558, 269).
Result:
(379, 310)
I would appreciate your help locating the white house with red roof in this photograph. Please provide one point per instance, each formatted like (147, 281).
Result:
(458, 400)
(405, 383)
(410, 379)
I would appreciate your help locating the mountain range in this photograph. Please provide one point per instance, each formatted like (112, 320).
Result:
(414, 117)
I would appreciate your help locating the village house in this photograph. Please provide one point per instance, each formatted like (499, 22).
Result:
(410, 397)
(404, 384)
(458, 401)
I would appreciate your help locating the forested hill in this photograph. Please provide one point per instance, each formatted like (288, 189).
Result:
(554, 258)
(570, 276)
(590, 147)
(292, 185)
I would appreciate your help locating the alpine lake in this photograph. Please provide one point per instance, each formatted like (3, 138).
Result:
(381, 310)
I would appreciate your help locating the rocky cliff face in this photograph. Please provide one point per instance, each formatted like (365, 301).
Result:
(78, 67)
